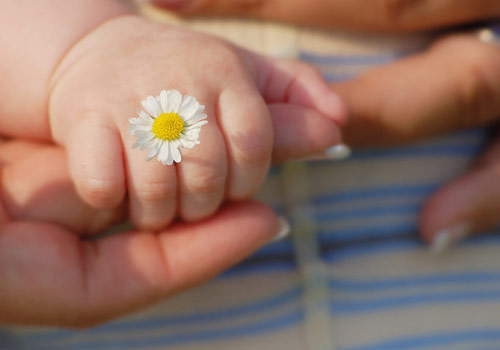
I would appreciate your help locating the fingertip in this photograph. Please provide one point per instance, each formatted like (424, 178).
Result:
(300, 132)
(334, 107)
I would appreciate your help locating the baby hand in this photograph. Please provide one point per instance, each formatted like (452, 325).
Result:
(252, 104)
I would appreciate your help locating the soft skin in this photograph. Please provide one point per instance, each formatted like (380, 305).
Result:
(103, 79)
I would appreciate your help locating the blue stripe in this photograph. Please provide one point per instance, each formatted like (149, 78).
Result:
(284, 246)
(262, 327)
(418, 151)
(393, 302)
(368, 286)
(436, 339)
(377, 248)
(279, 266)
(376, 192)
(376, 210)
(373, 59)
(295, 317)
(288, 297)
(337, 306)
(355, 251)
(268, 304)
(409, 244)
(345, 235)
(337, 77)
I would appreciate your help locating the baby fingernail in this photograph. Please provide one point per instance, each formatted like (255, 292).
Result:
(448, 237)
(283, 229)
(338, 152)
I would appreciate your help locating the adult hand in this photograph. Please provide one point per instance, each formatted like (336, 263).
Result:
(378, 15)
(454, 85)
(50, 275)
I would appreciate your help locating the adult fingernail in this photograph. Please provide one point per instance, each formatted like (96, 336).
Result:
(283, 229)
(337, 152)
(489, 35)
(448, 237)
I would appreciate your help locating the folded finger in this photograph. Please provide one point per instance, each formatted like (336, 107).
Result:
(247, 128)
(203, 173)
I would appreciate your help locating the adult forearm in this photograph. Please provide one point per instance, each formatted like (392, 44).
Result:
(34, 36)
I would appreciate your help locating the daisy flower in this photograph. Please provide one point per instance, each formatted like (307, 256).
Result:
(172, 121)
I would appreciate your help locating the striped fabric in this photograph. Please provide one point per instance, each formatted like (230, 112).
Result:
(355, 275)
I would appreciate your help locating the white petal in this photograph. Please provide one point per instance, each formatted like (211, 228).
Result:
(145, 141)
(199, 115)
(193, 134)
(185, 142)
(151, 106)
(164, 151)
(174, 148)
(188, 107)
(141, 134)
(170, 159)
(154, 149)
(196, 125)
(189, 139)
(132, 129)
(137, 121)
(174, 101)
(164, 101)
(143, 115)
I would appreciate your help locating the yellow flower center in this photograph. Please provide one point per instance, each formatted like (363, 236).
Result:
(168, 126)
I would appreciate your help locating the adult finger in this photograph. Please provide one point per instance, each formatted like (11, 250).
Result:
(467, 205)
(48, 276)
(454, 85)
(384, 15)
